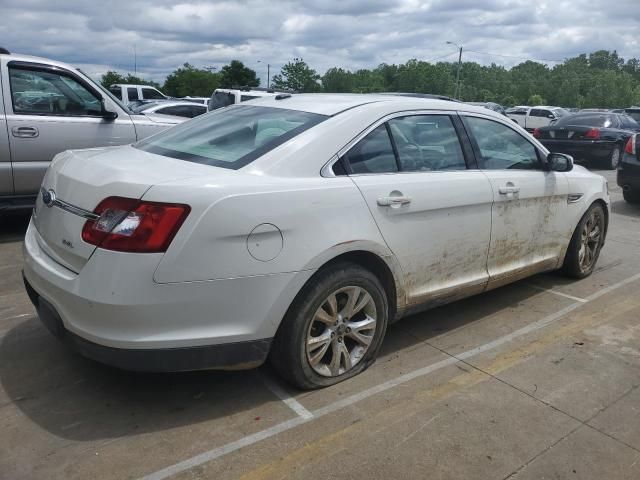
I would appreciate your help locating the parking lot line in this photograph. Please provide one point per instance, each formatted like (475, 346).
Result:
(556, 292)
(287, 399)
(350, 400)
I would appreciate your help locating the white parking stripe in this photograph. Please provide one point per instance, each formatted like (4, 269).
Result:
(345, 402)
(287, 399)
(556, 292)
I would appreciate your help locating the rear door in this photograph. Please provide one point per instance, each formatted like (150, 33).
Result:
(50, 110)
(529, 229)
(433, 212)
(6, 174)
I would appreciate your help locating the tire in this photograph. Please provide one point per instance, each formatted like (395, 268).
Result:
(611, 163)
(312, 315)
(631, 197)
(584, 248)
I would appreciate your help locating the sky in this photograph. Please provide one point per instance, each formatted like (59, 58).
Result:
(102, 35)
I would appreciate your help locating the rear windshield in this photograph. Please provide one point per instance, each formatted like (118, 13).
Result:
(588, 120)
(635, 114)
(232, 137)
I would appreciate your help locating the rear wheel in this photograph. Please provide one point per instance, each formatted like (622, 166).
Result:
(630, 196)
(585, 245)
(333, 329)
(612, 162)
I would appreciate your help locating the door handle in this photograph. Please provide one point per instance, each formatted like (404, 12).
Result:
(508, 188)
(24, 132)
(393, 201)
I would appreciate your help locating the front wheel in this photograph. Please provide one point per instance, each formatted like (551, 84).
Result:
(334, 328)
(585, 245)
(631, 197)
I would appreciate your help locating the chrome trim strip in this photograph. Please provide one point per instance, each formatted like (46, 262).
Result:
(81, 212)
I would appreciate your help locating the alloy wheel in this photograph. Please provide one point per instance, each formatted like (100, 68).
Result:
(590, 241)
(341, 331)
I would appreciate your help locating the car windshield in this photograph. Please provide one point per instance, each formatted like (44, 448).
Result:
(587, 120)
(231, 137)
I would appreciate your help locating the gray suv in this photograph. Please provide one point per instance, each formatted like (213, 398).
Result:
(47, 107)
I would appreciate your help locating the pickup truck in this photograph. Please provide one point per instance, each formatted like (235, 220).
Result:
(128, 93)
(531, 118)
(47, 107)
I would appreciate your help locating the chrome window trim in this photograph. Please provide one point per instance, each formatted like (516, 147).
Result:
(326, 170)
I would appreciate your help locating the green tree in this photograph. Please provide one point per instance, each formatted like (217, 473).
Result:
(297, 76)
(237, 75)
(535, 100)
(111, 77)
(190, 81)
(337, 80)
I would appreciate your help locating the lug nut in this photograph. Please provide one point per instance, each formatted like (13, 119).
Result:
(333, 334)
(348, 329)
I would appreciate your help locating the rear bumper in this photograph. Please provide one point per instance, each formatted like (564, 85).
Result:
(581, 150)
(235, 355)
(112, 311)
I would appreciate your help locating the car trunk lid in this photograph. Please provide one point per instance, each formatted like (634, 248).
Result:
(77, 181)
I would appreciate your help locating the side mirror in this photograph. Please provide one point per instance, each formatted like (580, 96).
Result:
(560, 162)
(551, 115)
(107, 114)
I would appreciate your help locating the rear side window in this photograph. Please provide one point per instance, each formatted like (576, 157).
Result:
(244, 98)
(231, 138)
(501, 147)
(427, 143)
(373, 154)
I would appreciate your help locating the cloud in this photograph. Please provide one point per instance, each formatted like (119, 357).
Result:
(352, 34)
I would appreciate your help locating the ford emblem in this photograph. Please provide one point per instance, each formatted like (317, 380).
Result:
(48, 197)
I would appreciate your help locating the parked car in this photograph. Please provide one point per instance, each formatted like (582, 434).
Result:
(633, 112)
(175, 109)
(496, 107)
(287, 227)
(598, 137)
(201, 100)
(535, 117)
(223, 97)
(629, 170)
(128, 93)
(47, 107)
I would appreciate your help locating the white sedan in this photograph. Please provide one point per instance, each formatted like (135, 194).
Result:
(296, 228)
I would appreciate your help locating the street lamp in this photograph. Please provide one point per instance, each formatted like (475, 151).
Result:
(459, 65)
(268, 72)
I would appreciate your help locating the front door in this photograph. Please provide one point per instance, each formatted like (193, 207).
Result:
(434, 213)
(528, 233)
(50, 110)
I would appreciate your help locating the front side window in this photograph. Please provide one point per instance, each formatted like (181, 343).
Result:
(230, 138)
(501, 147)
(427, 143)
(151, 94)
(43, 92)
(373, 154)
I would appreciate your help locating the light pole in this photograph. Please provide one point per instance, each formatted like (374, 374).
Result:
(459, 65)
(268, 72)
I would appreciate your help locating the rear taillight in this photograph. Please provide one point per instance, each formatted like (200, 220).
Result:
(130, 225)
(630, 148)
(592, 133)
(536, 133)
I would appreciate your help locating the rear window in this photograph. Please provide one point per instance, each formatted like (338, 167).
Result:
(221, 99)
(230, 138)
(588, 120)
(635, 114)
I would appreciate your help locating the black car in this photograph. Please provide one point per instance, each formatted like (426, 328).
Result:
(496, 107)
(590, 136)
(629, 170)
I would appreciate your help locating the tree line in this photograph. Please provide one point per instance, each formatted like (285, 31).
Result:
(600, 79)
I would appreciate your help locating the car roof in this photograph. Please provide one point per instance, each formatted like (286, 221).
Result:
(32, 59)
(333, 103)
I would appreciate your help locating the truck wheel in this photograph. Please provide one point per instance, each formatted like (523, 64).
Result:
(334, 328)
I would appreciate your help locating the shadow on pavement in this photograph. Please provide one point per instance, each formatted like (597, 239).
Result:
(78, 399)
(13, 226)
